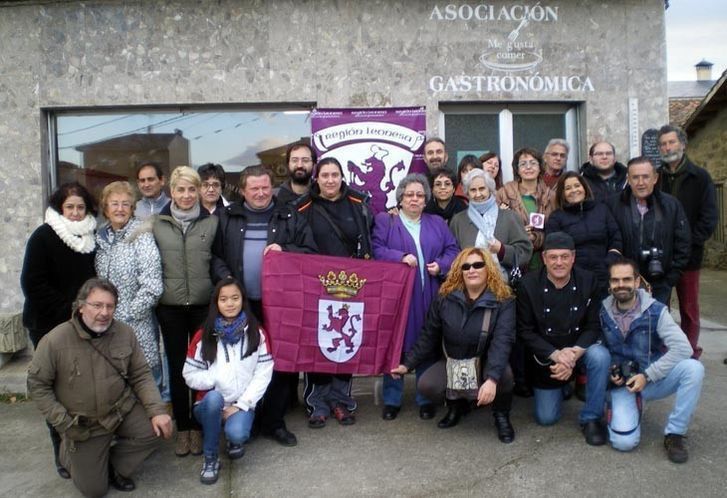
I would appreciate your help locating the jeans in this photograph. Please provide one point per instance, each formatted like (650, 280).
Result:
(209, 413)
(548, 402)
(685, 379)
(393, 389)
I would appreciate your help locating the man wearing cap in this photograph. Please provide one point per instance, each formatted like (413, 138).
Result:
(557, 322)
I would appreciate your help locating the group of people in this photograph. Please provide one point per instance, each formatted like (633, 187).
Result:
(478, 330)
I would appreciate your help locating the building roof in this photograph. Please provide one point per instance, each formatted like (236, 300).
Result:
(688, 89)
(715, 101)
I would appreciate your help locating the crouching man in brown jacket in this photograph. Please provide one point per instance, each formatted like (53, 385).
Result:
(91, 381)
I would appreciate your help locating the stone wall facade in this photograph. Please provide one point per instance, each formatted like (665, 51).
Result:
(330, 53)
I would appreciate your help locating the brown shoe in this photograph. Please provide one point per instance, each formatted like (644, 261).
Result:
(195, 442)
(675, 449)
(182, 448)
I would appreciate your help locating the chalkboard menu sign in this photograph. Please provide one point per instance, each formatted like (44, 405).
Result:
(650, 146)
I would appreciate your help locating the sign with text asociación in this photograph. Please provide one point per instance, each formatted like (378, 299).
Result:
(511, 54)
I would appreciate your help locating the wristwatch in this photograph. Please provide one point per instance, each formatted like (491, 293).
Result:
(646, 376)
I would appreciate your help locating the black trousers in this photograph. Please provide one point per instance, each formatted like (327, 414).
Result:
(433, 384)
(178, 325)
(270, 412)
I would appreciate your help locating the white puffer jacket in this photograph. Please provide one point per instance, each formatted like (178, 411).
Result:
(241, 382)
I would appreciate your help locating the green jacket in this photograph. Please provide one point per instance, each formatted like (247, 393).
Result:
(186, 258)
(75, 385)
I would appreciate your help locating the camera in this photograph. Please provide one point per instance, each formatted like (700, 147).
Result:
(625, 370)
(653, 256)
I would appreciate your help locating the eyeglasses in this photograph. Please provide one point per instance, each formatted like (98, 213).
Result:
(477, 265)
(116, 205)
(300, 160)
(528, 164)
(412, 195)
(211, 185)
(102, 306)
(443, 185)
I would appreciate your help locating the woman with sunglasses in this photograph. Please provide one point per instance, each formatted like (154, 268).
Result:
(455, 327)
(423, 242)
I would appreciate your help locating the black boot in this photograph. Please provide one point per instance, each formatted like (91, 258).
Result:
(505, 432)
(454, 413)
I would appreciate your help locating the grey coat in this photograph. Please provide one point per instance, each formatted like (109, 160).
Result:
(130, 259)
(509, 231)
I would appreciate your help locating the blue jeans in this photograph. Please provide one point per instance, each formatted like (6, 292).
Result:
(208, 413)
(393, 389)
(548, 402)
(685, 379)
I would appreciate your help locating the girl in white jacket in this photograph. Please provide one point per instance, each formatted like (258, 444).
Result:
(229, 364)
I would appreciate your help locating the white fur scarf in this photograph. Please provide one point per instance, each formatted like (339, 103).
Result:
(78, 235)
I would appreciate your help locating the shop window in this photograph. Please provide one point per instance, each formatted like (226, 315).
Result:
(98, 147)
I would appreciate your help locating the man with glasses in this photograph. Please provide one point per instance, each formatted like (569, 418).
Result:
(555, 158)
(213, 184)
(604, 175)
(90, 379)
(300, 158)
(150, 180)
(557, 322)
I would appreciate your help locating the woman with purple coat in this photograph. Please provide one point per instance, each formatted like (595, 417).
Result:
(424, 242)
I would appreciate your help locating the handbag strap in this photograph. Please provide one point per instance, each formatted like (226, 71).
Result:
(483, 334)
(336, 229)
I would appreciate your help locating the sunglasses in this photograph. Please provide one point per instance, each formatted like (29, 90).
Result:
(477, 265)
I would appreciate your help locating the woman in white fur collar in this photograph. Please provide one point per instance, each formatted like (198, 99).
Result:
(58, 260)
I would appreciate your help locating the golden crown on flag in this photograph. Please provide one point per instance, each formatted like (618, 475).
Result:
(342, 285)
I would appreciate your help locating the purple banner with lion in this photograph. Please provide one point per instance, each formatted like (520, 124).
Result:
(376, 147)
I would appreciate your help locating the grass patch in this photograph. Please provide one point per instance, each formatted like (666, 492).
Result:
(11, 398)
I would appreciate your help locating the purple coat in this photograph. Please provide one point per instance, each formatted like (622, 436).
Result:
(391, 241)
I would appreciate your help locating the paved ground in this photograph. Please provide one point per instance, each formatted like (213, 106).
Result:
(410, 457)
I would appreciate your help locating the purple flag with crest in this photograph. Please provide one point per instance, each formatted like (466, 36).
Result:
(376, 147)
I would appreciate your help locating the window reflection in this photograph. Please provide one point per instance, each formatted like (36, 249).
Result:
(97, 148)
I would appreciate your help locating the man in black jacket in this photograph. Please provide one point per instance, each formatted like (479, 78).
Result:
(654, 228)
(245, 233)
(300, 158)
(604, 174)
(693, 187)
(557, 321)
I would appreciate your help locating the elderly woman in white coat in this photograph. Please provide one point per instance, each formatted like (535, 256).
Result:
(127, 255)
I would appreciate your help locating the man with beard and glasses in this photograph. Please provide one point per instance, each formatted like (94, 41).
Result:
(651, 360)
(435, 155)
(694, 189)
(300, 158)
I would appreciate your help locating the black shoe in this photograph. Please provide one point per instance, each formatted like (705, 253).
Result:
(451, 418)
(62, 471)
(119, 482)
(567, 391)
(390, 412)
(675, 449)
(427, 412)
(284, 437)
(595, 433)
(505, 432)
(235, 451)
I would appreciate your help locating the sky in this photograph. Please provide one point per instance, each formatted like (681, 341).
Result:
(695, 30)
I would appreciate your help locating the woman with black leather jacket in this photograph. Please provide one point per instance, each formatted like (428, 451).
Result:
(473, 316)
